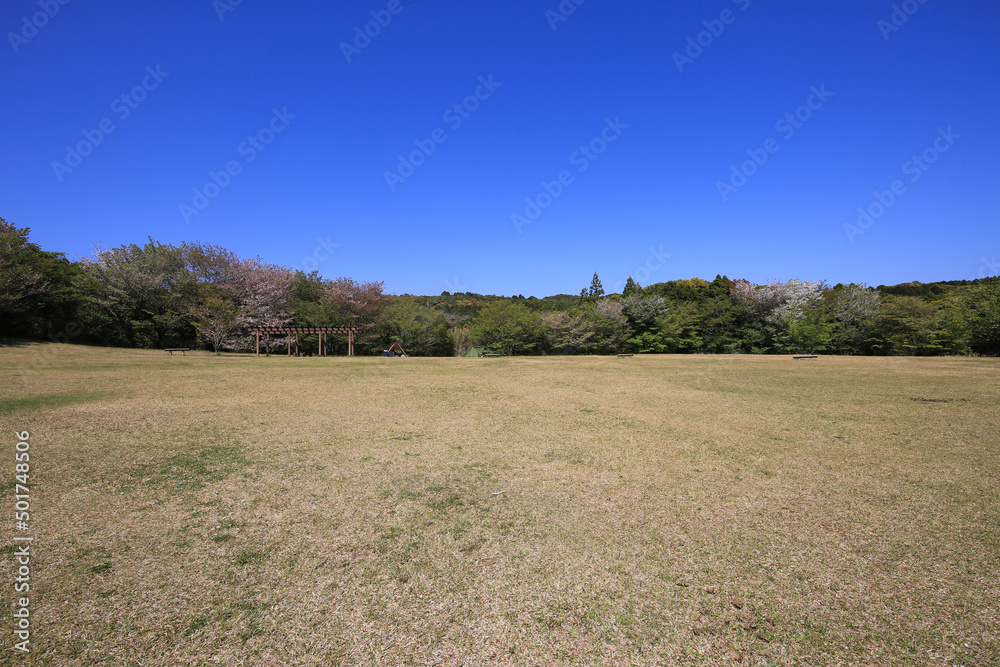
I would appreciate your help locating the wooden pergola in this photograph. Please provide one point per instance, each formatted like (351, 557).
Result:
(291, 332)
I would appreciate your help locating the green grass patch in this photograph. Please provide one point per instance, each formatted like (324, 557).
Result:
(249, 557)
(192, 470)
(197, 623)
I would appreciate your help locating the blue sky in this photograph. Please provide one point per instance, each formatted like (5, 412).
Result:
(277, 129)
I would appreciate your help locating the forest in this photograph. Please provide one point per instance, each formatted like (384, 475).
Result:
(205, 297)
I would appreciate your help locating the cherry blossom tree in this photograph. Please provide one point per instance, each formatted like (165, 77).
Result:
(567, 334)
(363, 305)
(854, 308)
(231, 294)
(360, 304)
(262, 292)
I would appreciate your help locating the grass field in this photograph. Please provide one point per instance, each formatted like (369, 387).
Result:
(657, 510)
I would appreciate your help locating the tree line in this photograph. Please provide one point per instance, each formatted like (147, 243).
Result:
(203, 296)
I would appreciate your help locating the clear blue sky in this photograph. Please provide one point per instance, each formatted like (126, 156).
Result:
(222, 69)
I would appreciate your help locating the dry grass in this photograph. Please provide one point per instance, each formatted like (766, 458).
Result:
(534, 511)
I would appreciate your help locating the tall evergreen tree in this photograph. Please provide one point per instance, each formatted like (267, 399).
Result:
(631, 287)
(596, 288)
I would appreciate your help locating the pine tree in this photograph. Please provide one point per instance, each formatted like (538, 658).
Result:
(596, 288)
(631, 287)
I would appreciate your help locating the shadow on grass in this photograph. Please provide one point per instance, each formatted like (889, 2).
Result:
(18, 342)
(10, 405)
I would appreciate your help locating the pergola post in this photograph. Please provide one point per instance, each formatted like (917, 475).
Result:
(258, 342)
(350, 343)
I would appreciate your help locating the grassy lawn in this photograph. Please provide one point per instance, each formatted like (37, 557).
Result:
(528, 511)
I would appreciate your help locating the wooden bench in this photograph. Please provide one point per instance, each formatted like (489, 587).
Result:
(492, 355)
(625, 355)
(182, 350)
(807, 356)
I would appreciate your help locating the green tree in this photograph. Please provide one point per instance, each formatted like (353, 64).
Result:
(631, 288)
(678, 328)
(461, 338)
(721, 286)
(421, 331)
(983, 317)
(694, 289)
(907, 325)
(809, 331)
(596, 288)
(720, 325)
(649, 341)
(39, 290)
(308, 301)
(216, 319)
(136, 296)
(21, 280)
(610, 326)
(508, 327)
